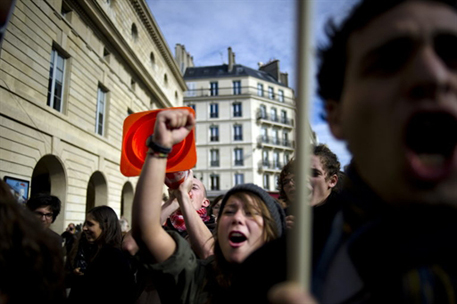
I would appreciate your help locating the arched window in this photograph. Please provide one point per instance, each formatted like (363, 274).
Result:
(134, 32)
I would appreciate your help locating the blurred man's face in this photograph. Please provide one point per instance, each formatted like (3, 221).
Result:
(44, 214)
(398, 111)
(288, 185)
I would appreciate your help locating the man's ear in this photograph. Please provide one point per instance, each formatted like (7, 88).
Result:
(334, 109)
(206, 203)
(333, 180)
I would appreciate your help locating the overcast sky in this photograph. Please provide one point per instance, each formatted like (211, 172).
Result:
(257, 31)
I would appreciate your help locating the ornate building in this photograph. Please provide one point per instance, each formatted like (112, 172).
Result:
(71, 71)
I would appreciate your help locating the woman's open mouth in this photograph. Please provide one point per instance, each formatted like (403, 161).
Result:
(431, 141)
(236, 239)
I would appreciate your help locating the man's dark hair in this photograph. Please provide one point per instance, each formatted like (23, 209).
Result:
(328, 159)
(45, 200)
(334, 57)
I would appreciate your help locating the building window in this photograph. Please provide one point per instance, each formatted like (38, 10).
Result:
(237, 109)
(214, 88)
(101, 110)
(284, 117)
(276, 181)
(239, 178)
(271, 93)
(264, 134)
(152, 58)
(165, 79)
(275, 137)
(265, 161)
(214, 154)
(276, 163)
(273, 114)
(263, 112)
(106, 54)
(134, 32)
(191, 92)
(281, 95)
(285, 139)
(286, 158)
(214, 182)
(214, 133)
(237, 132)
(239, 157)
(65, 10)
(237, 87)
(266, 181)
(192, 106)
(260, 89)
(56, 78)
(214, 110)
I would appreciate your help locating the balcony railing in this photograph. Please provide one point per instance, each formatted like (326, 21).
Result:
(274, 118)
(214, 163)
(275, 141)
(239, 162)
(273, 165)
(203, 92)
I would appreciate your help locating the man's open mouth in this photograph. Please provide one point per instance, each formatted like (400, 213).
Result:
(431, 140)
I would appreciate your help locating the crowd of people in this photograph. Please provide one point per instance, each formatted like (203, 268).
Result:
(382, 230)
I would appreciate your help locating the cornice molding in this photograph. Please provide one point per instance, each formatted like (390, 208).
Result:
(92, 13)
(144, 13)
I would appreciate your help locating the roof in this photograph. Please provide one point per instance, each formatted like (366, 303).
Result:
(220, 71)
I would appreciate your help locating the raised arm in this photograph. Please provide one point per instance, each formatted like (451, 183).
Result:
(128, 242)
(200, 237)
(170, 206)
(171, 128)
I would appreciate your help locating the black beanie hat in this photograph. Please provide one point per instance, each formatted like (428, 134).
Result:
(276, 211)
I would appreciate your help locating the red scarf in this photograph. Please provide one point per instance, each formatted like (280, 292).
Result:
(177, 219)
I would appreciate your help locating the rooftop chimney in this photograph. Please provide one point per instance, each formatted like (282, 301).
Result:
(231, 59)
(272, 68)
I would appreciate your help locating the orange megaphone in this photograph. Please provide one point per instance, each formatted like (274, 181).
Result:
(137, 128)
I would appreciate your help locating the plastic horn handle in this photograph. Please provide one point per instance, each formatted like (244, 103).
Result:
(299, 241)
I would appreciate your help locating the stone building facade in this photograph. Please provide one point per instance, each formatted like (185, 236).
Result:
(70, 73)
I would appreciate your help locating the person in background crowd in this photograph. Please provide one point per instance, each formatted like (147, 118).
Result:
(324, 179)
(69, 237)
(125, 227)
(31, 263)
(46, 208)
(215, 206)
(248, 219)
(325, 169)
(286, 184)
(101, 271)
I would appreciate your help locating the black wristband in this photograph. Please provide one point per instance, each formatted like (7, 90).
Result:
(155, 147)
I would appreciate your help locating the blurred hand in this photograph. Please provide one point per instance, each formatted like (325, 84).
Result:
(290, 221)
(78, 271)
(289, 293)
